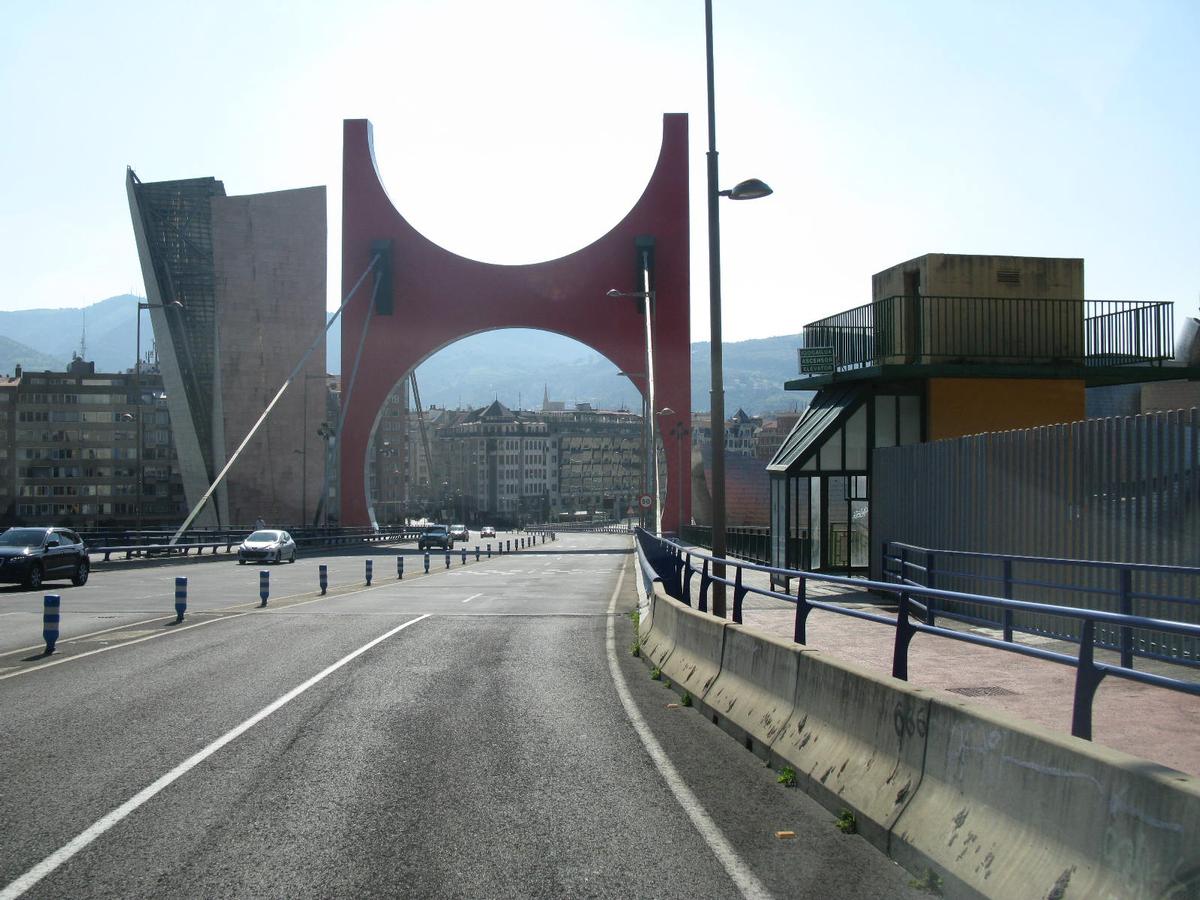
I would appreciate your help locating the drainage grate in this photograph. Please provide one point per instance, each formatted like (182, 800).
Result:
(983, 690)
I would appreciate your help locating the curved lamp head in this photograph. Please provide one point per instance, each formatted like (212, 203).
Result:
(750, 189)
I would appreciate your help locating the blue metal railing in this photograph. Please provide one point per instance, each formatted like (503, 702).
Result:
(676, 566)
(1151, 590)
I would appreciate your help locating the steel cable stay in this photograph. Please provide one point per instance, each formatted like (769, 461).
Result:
(278, 394)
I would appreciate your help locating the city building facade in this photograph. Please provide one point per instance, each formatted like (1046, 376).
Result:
(70, 449)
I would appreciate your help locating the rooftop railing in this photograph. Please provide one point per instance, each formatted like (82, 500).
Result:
(998, 330)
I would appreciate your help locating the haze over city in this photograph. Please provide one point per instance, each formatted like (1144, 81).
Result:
(522, 131)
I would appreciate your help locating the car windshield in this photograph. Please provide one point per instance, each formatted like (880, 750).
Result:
(264, 536)
(23, 537)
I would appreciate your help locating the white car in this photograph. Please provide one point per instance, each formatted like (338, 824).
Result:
(267, 545)
(487, 531)
(460, 533)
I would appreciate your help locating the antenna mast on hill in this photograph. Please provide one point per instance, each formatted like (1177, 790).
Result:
(83, 337)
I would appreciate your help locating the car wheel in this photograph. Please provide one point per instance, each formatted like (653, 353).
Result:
(293, 559)
(241, 562)
(33, 579)
(79, 579)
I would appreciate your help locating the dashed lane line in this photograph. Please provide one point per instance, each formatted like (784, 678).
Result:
(56, 859)
(473, 596)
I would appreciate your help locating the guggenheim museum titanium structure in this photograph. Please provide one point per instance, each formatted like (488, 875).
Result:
(421, 298)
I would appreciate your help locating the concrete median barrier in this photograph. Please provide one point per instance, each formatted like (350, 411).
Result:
(695, 658)
(857, 739)
(754, 697)
(1007, 809)
(658, 629)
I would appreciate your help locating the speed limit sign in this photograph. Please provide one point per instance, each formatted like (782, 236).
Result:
(645, 501)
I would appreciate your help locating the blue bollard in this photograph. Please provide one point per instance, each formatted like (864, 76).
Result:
(476, 553)
(508, 546)
(323, 577)
(370, 566)
(264, 586)
(447, 559)
(464, 557)
(489, 550)
(51, 604)
(400, 568)
(180, 597)
(426, 562)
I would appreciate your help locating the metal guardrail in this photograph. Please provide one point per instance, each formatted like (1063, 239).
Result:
(1127, 588)
(338, 538)
(996, 329)
(743, 541)
(580, 528)
(676, 566)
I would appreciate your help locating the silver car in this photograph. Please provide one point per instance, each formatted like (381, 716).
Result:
(267, 545)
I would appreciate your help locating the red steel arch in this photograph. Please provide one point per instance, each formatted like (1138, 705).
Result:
(440, 297)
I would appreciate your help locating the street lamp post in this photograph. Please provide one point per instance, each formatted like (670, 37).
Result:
(647, 298)
(746, 190)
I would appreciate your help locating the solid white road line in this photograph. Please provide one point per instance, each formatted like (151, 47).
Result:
(23, 883)
(743, 878)
(150, 637)
(472, 597)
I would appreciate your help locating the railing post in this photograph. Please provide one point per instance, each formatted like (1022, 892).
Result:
(803, 608)
(688, 571)
(930, 602)
(705, 579)
(1087, 679)
(739, 594)
(904, 635)
(1126, 576)
(1008, 613)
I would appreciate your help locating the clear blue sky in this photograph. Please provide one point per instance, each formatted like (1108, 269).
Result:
(887, 130)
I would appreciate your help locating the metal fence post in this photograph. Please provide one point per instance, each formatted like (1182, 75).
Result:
(1087, 679)
(1008, 613)
(51, 606)
(705, 579)
(323, 577)
(904, 635)
(264, 586)
(1126, 576)
(739, 594)
(687, 574)
(930, 575)
(180, 597)
(803, 608)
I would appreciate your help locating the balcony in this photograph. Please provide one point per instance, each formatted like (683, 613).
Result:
(996, 331)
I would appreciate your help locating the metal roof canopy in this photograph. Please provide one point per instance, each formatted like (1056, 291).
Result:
(1094, 376)
(830, 408)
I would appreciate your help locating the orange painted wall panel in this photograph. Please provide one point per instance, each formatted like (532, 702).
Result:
(958, 406)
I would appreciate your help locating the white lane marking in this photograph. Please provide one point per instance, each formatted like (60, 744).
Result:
(67, 659)
(472, 597)
(743, 878)
(84, 637)
(24, 882)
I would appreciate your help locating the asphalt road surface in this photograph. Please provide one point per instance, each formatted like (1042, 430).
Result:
(480, 731)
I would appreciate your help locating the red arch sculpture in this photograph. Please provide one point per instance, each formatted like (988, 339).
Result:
(440, 297)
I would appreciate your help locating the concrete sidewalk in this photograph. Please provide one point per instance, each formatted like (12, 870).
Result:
(1145, 721)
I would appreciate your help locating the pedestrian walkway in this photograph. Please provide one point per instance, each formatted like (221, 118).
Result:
(1143, 720)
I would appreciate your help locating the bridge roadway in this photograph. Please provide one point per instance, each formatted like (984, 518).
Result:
(477, 732)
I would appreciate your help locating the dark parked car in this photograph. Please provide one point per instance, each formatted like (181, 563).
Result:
(437, 536)
(33, 555)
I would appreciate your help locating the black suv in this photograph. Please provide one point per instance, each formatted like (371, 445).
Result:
(436, 536)
(33, 555)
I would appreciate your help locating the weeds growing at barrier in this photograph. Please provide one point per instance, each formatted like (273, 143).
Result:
(667, 684)
(635, 649)
(787, 776)
(846, 823)
(686, 699)
(655, 673)
(635, 616)
(928, 881)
